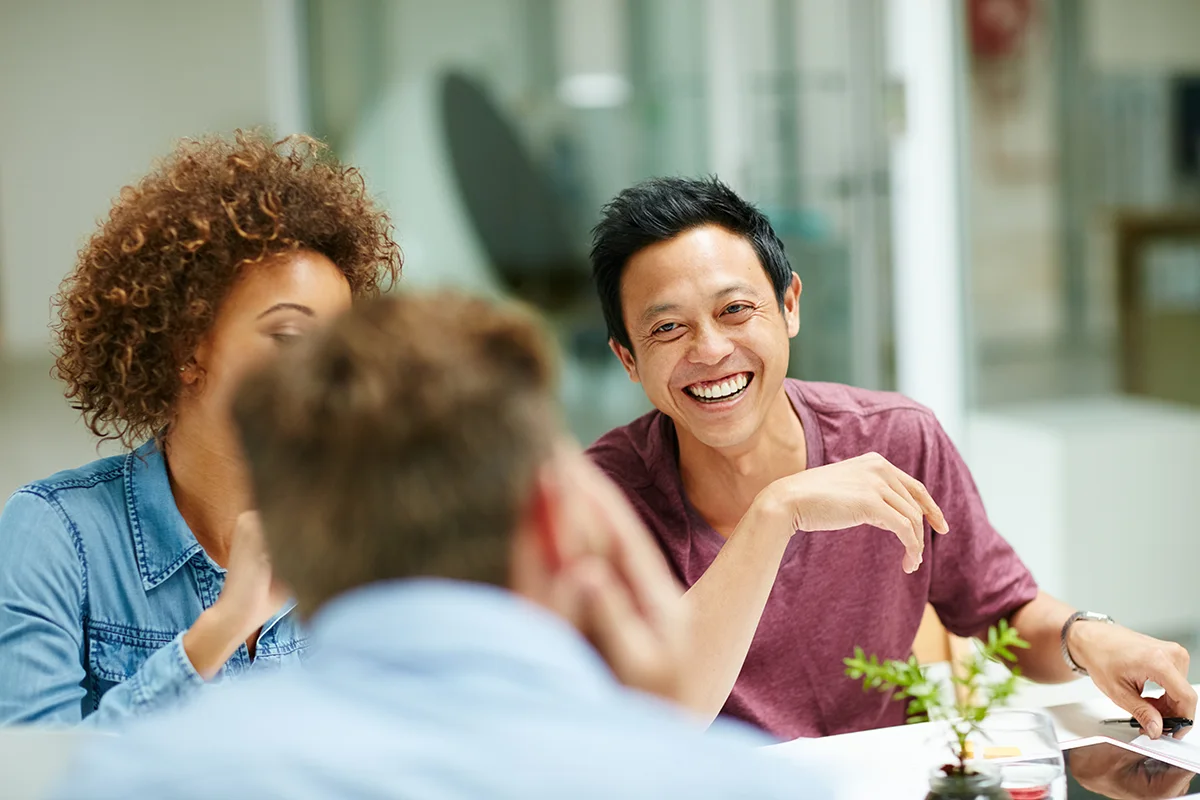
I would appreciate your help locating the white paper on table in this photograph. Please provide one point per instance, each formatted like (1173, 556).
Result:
(886, 762)
(1180, 752)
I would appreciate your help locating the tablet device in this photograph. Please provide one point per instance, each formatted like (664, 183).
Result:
(1109, 769)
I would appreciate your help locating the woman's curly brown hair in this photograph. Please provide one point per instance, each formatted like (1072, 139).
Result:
(148, 283)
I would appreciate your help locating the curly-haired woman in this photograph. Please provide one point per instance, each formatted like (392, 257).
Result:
(127, 583)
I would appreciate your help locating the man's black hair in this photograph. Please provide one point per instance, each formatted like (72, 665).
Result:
(660, 209)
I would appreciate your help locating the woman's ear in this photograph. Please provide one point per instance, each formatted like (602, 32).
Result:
(192, 366)
(189, 373)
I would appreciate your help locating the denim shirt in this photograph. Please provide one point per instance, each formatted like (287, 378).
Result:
(99, 578)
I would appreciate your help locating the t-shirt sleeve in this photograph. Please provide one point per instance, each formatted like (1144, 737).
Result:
(977, 577)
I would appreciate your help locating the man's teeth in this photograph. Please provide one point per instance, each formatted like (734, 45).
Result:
(720, 390)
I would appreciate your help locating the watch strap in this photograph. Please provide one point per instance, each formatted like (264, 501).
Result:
(1089, 616)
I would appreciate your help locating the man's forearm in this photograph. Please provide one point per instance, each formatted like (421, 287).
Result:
(726, 605)
(1040, 622)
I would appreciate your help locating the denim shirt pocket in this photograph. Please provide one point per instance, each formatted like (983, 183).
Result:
(117, 652)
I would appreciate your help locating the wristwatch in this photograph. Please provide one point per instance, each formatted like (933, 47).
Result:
(1090, 616)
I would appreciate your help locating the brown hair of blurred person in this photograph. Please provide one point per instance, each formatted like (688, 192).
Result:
(402, 441)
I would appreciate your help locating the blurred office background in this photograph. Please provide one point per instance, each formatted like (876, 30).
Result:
(994, 206)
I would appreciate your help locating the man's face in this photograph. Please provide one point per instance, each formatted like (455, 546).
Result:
(710, 343)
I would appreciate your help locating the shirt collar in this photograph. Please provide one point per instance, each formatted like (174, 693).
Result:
(418, 621)
(814, 439)
(162, 539)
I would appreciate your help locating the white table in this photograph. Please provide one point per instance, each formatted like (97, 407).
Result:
(896, 762)
(32, 758)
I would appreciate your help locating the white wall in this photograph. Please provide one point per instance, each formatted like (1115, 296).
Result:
(1013, 195)
(1097, 497)
(1146, 35)
(90, 93)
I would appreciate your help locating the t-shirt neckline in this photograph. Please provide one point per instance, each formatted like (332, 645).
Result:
(813, 441)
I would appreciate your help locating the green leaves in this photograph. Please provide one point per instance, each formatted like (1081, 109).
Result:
(1001, 638)
(907, 678)
(972, 703)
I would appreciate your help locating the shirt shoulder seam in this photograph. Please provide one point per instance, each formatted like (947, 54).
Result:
(873, 412)
(46, 486)
(50, 498)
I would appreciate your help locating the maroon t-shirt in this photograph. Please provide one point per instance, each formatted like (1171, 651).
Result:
(835, 589)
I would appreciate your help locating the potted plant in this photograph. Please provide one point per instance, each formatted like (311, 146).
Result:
(973, 700)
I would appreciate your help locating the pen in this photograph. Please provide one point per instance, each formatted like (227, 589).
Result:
(1170, 724)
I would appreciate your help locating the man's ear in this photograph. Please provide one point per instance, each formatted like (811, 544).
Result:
(626, 358)
(791, 306)
(545, 519)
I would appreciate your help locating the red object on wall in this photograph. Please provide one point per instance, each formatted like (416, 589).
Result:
(997, 26)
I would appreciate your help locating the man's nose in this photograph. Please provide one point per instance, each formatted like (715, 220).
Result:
(710, 346)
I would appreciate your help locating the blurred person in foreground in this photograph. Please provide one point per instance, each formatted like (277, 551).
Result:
(801, 515)
(478, 593)
(127, 583)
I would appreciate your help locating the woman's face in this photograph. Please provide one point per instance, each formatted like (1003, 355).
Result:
(269, 307)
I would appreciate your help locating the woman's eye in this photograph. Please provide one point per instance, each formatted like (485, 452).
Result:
(285, 338)
(666, 327)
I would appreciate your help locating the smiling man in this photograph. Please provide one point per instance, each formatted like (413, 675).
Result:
(802, 516)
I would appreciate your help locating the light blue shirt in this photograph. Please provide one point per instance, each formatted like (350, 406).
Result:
(435, 689)
(99, 578)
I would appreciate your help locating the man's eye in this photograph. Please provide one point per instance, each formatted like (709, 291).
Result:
(735, 308)
(666, 327)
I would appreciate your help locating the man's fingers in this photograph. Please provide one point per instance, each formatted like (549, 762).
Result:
(924, 500)
(1148, 717)
(651, 585)
(1166, 708)
(615, 627)
(889, 516)
(1149, 711)
(634, 555)
(915, 541)
(1180, 696)
(912, 510)
(654, 588)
